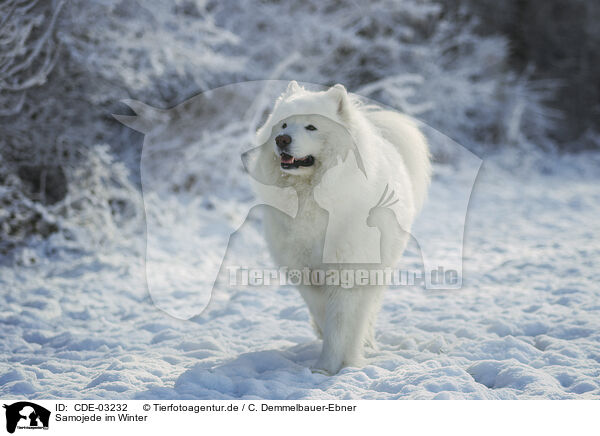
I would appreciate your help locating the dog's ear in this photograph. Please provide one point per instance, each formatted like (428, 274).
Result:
(339, 92)
(292, 87)
(145, 119)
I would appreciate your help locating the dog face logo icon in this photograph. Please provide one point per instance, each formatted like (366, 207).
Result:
(26, 415)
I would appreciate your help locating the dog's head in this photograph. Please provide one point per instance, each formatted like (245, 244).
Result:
(306, 133)
(303, 144)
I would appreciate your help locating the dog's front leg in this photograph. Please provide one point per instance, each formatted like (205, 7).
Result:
(344, 329)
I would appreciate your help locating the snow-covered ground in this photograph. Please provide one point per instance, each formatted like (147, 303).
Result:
(526, 323)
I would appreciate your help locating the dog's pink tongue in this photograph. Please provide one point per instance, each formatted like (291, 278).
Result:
(287, 159)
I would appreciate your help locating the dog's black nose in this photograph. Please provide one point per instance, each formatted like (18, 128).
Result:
(283, 141)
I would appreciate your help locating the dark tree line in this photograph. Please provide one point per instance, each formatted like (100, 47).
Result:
(561, 40)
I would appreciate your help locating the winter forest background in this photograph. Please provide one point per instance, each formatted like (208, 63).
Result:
(516, 82)
(521, 74)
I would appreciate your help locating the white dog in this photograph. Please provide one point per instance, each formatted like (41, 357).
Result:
(360, 174)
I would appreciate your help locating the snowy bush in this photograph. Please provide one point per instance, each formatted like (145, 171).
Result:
(53, 175)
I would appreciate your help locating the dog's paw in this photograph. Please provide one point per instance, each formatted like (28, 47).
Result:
(333, 366)
(327, 366)
(319, 371)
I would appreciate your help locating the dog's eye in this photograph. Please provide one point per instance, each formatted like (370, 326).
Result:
(310, 127)
(284, 125)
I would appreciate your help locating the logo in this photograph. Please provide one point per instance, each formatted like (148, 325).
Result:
(26, 415)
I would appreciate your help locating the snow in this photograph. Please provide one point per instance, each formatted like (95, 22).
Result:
(526, 323)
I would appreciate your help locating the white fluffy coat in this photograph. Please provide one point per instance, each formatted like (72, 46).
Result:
(360, 152)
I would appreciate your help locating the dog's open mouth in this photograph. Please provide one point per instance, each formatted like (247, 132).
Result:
(289, 162)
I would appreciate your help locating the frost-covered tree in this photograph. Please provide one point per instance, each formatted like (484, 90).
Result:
(28, 49)
(53, 176)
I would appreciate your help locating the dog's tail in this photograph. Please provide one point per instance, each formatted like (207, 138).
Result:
(403, 132)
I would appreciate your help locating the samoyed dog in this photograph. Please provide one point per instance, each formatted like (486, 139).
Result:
(360, 174)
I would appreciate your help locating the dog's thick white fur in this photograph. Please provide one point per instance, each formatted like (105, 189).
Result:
(359, 155)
